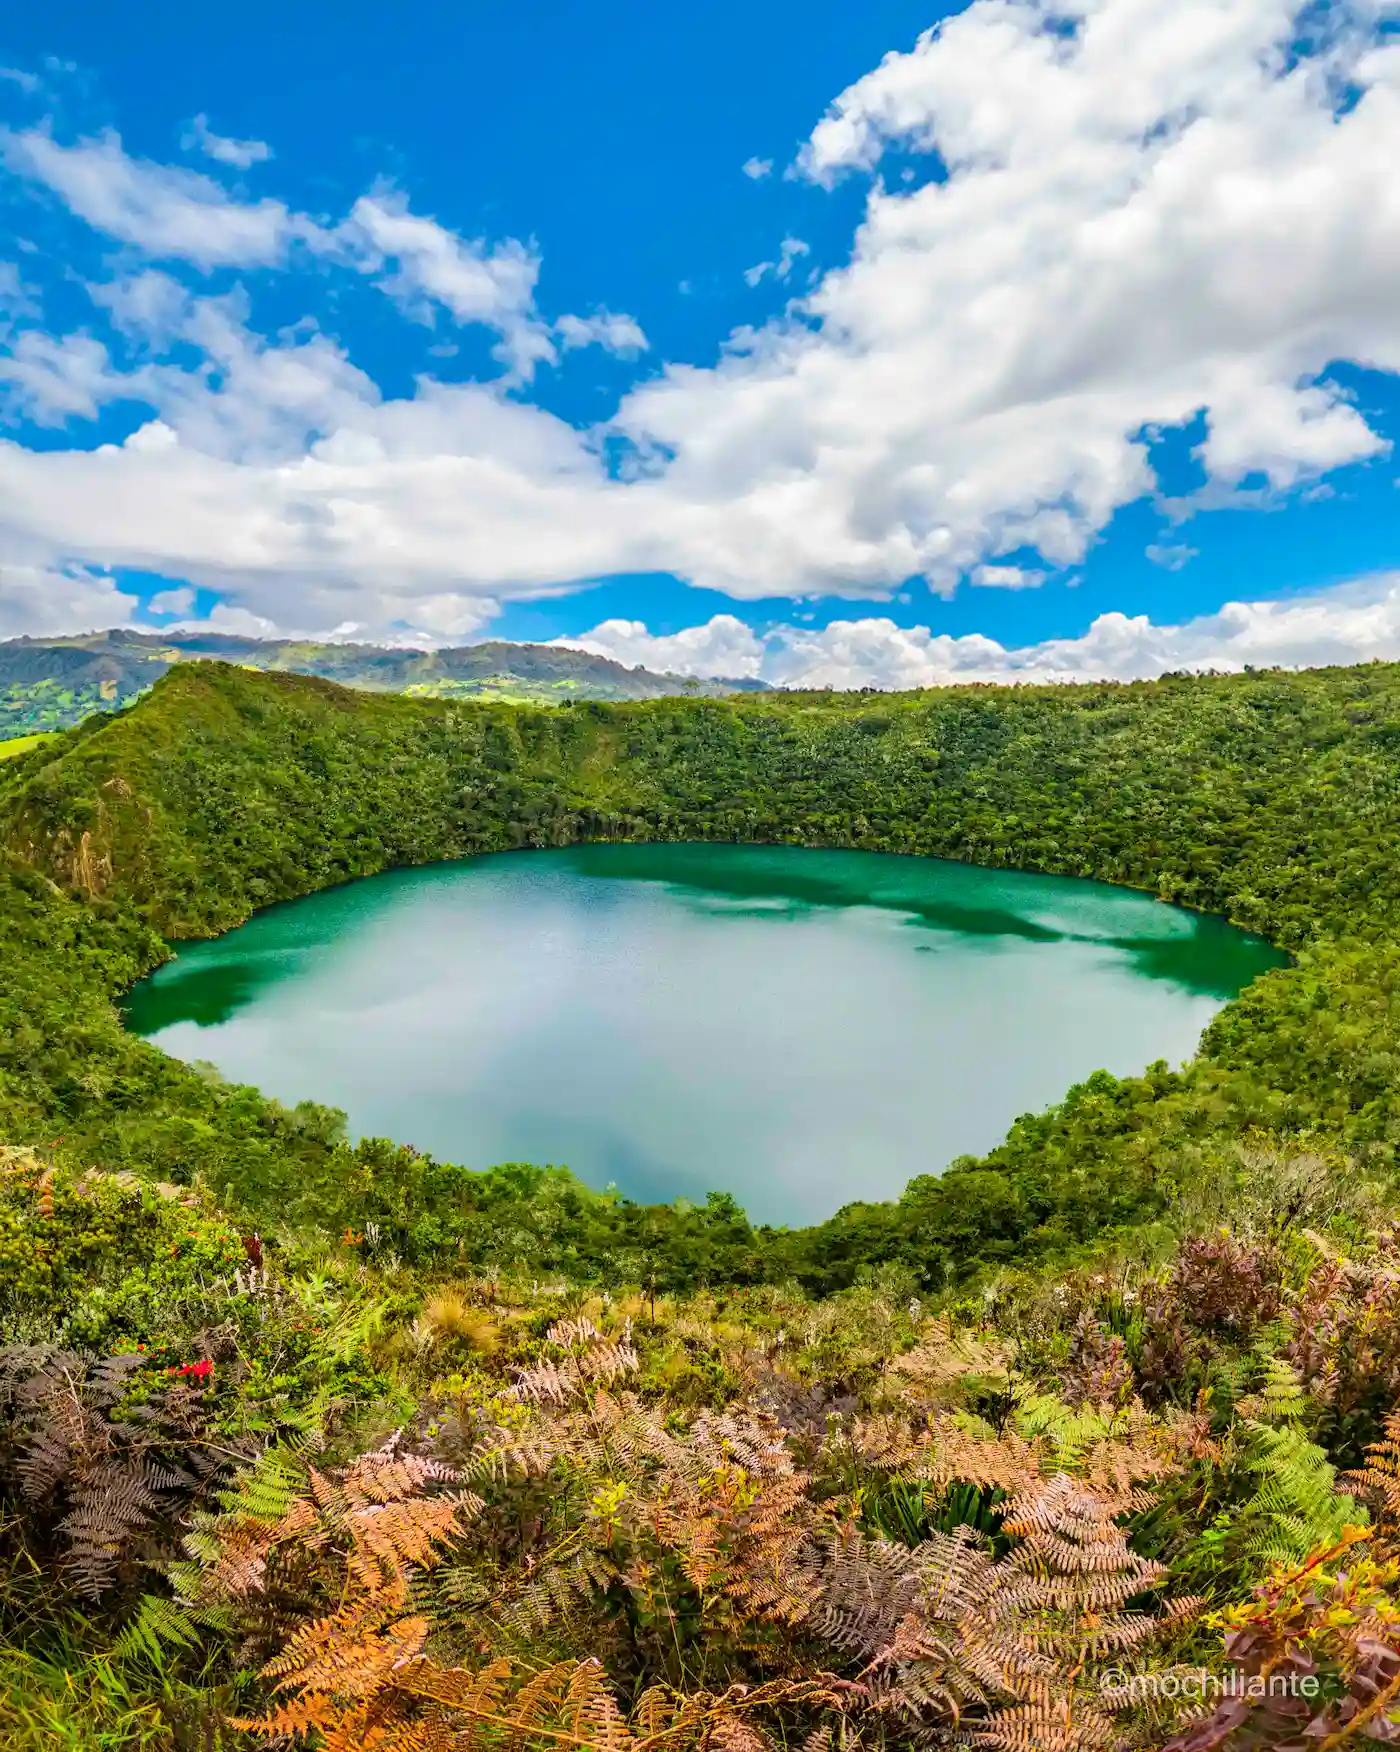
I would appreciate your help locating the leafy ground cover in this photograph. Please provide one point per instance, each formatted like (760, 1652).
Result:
(308, 1492)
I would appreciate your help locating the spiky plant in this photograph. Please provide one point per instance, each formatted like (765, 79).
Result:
(449, 1317)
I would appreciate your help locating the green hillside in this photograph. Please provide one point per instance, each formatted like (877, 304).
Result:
(52, 684)
(664, 1479)
(1271, 799)
(22, 744)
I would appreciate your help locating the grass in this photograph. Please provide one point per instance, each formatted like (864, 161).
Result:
(72, 1700)
(22, 744)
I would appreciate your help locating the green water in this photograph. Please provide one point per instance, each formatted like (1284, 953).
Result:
(799, 1028)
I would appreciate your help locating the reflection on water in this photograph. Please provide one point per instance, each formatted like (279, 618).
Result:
(797, 1027)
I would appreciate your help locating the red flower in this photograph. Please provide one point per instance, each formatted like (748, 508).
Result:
(199, 1371)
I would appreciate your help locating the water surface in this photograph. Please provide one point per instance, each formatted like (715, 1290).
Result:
(799, 1028)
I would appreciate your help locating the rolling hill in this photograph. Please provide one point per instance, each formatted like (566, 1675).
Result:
(51, 684)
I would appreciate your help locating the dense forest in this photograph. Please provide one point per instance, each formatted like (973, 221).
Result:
(53, 684)
(343, 1442)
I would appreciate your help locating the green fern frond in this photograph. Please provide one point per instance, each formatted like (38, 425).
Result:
(1297, 1507)
(1279, 1398)
(1071, 1431)
(263, 1491)
(163, 1626)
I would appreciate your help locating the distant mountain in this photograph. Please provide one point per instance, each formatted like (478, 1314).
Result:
(48, 684)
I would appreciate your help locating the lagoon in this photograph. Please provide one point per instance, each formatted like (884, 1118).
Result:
(799, 1028)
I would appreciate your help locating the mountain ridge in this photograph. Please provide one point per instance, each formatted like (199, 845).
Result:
(54, 683)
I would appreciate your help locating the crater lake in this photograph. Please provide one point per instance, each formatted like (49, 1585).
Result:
(798, 1028)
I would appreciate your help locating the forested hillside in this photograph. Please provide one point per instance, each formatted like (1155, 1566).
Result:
(980, 1461)
(1271, 799)
(52, 684)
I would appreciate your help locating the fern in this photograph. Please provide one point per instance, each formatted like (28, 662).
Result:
(1379, 1478)
(1016, 1646)
(589, 1360)
(1111, 1448)
(265, 1489)
(1279, 1398)
(1296, 1506)
(104, 1484)
(162, 1626)
(408, 1703)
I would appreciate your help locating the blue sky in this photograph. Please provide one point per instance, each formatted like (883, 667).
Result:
(813, 342)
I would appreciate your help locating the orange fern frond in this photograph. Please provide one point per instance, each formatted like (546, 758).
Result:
(1378, 1481)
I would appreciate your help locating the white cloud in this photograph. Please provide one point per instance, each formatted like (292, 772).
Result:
(722, 646)
(167, 212)
(1170, 556)
(758, 168)
(1151, 217)
(241, 154)
(1353, 623)
(616, 334)
(444, 620)
(34, 601)
(1007, 577)
(252, 400)
(1144, 216)
(240, 622)
(17, 300)
(433, 268)
(51, 380)
(448, 618)
(148, 306)
(179, 601)
(790, 250)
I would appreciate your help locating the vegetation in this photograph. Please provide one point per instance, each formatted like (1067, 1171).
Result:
(1272, 799)
(22, 744)
(309, 1493)
(349, 1445)
(52, 684)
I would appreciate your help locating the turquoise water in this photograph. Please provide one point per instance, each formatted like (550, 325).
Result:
(799, 1028)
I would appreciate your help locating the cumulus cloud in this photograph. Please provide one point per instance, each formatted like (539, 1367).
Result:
(178, 601)
(615, 334)
(242, 623)
(241, 154)
(17, 300)
(724, 646)
(34, 600)
(430, 268)
(1144, 213)
(51, 380)
(148, 306)
(758, 168)
(1138, 219)
(250, 400)
(1352, 623)
(1007, 577)
(1170, 556)
(169, 213)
